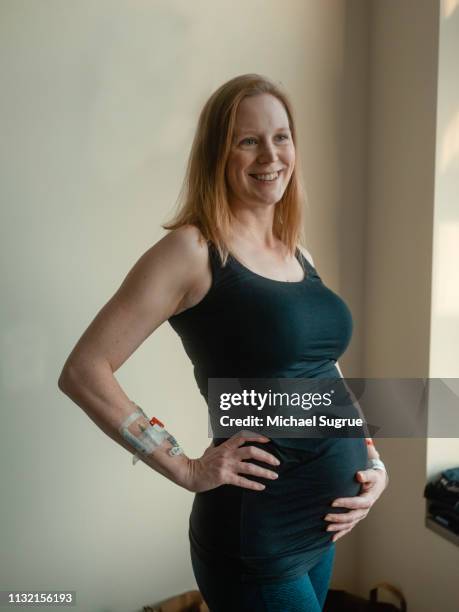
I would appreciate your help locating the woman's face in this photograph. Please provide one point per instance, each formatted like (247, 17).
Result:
(262, 154)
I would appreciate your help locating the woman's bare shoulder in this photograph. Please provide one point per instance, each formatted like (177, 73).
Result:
(186, 244)
(188, 236)
(170, 269)
(186, 249)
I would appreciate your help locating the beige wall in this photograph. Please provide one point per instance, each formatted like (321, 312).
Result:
(99, 105)
(407, 333)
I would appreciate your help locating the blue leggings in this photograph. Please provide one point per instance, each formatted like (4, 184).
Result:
(225, 593)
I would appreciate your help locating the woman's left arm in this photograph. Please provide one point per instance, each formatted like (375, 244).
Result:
(373, 482)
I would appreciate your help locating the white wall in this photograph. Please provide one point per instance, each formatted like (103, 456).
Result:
(99, 102)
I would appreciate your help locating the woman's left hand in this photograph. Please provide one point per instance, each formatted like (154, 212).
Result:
(373, 484)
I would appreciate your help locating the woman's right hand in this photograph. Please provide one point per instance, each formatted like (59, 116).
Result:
(224, 463)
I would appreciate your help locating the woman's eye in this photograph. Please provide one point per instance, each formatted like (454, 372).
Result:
(250, 140)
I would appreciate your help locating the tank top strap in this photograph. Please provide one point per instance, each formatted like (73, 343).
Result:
(310, 270)
(220, 274)
(214, 257)
(226, 275)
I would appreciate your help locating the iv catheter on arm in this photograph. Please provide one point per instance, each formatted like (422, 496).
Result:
(151, 435)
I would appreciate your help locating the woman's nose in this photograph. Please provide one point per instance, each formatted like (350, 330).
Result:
(267, 152)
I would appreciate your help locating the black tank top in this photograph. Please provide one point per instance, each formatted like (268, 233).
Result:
(250, 326)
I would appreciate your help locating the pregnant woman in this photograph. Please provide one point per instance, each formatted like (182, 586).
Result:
(235, 284)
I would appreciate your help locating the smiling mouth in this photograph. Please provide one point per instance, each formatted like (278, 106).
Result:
(269, 177)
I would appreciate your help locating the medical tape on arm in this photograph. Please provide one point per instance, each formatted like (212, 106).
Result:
(151, 435)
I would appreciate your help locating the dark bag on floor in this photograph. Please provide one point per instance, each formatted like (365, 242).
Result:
(341, 601)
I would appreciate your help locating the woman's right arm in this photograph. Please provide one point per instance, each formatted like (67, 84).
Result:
(152, 292)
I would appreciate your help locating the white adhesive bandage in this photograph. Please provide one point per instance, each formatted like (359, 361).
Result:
(151, 435)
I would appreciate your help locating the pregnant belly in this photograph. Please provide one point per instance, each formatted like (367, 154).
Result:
(287, 517)
(289, 514)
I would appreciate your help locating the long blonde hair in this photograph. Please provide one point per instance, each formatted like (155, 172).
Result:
(203, 199)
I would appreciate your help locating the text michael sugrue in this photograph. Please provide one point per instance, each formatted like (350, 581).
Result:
(258, 401)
